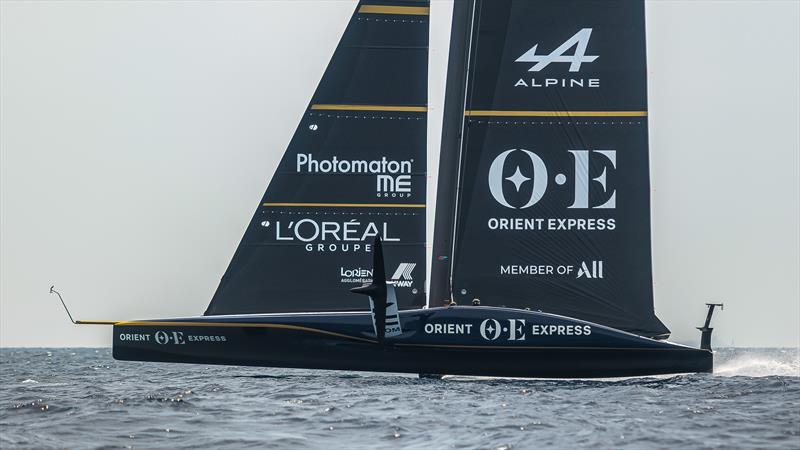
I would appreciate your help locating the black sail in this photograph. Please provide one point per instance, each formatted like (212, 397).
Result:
(553, 210)
(355, 168)
(452, 128)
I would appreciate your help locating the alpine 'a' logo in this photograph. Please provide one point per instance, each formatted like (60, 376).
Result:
(518, 179)
(579, 40)
(402, 276)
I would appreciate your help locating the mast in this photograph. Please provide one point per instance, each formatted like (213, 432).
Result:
(450, 153)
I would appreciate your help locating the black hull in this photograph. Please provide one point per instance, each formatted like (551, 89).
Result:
(346, 342)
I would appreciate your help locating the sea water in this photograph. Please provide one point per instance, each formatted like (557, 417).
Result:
(82, 398)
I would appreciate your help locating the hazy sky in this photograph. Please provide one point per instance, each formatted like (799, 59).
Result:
(136, 138)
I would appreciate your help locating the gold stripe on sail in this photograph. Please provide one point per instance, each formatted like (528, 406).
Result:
(332, 107)
(347, 205)
(404, 10)
(516, 113)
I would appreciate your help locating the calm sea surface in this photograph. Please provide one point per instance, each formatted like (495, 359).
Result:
(82, 398)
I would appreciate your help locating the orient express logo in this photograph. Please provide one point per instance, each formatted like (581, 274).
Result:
(580, 41)
(519, 179)
(508, 329)
(180, 338)
(517, 330)
(392, 178)
(537, 174)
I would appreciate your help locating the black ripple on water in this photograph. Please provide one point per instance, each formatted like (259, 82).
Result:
(82, 398)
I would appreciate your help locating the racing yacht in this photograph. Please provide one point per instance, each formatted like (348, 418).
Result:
(541, 248)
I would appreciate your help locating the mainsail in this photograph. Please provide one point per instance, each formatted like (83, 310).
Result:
(355, 169)
(552, 210)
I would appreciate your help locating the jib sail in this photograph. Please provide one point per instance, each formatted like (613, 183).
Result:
(355, 169)
(552, 210)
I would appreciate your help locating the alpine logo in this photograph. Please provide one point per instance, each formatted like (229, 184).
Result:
(402, 276)
(579, 40)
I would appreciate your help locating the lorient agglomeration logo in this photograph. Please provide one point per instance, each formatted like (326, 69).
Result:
(402, 276)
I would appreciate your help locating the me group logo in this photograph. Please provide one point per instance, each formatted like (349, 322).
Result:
(580, 41)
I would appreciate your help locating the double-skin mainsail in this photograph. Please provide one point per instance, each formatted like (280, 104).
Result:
(544, 194)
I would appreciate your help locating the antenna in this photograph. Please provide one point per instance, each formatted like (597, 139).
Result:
(53, 291)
